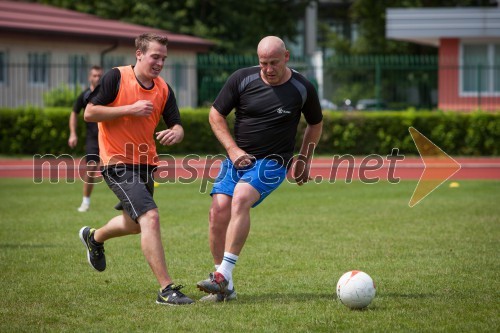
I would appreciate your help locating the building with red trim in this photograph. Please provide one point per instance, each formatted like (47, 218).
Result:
(43, 46)
(469, 51)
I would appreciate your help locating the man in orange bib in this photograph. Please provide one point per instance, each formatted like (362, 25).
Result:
(128, 105)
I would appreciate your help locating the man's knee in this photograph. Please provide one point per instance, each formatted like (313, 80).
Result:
(150, 220)
(244, 197)
(219, 212)
(132, 226)
(220, 208)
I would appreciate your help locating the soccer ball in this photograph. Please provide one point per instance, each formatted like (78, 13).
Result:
(355, 289)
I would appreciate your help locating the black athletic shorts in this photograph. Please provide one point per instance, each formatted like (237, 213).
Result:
(134, 187)
(92, 147)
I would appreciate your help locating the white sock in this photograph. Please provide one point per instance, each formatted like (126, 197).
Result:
(231, 284)
(227, 266)
(86, 200)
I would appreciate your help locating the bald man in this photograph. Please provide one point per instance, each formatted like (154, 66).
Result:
(269, 101)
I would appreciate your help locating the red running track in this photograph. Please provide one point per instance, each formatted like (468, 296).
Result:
(369, 168)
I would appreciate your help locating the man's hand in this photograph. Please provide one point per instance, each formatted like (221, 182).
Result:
(240, 158)
(170, 136)
(142, 108)
(72, 141)
(301, 170)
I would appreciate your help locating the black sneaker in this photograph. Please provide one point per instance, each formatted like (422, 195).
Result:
(215, 284)
(95, 253)
(172, 295)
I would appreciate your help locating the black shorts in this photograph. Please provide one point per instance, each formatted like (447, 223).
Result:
(92, 148)
(134, 187)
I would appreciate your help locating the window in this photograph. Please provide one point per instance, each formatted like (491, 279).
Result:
(3, 68)
(496, 68)
(78, 70)
(179, 76)
(113, 61)
(38, 68)
(480, 69)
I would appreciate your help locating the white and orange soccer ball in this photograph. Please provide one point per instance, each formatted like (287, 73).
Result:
(356, 289)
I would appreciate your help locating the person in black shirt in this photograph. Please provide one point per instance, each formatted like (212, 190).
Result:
(268, 101)
(91, 141)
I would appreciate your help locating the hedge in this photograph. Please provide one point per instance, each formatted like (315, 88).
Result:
(460, 134)
(28, 131)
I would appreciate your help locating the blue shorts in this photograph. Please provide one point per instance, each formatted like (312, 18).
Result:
(265, 175)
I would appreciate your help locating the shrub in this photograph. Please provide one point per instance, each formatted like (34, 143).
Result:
(61, 96)
(36, 131)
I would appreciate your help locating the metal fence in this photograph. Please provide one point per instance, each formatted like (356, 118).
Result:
(382, 82)
(363, 82)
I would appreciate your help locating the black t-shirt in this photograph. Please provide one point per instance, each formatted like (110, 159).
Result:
(267, 116)
(106, 92)
(81, 103)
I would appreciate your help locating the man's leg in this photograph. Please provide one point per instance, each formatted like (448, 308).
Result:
(245, 195)
(220, 282)
(121, 225)
(219, 216)
(93, 239)
(88, 186)
(153, 251)
(152, 246)
(89, 181)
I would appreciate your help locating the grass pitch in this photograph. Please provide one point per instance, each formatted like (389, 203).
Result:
(435, 265)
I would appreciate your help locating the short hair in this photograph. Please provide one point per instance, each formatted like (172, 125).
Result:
(96, 68)
(142, 41)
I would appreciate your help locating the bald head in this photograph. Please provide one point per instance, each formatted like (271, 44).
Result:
(273, 57)
(271, 45)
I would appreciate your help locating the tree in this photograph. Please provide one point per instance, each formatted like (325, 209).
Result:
(235, 26)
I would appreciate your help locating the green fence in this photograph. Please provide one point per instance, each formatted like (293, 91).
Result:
(367, 82)
(393, 82)
(388, 82)
(214, 70)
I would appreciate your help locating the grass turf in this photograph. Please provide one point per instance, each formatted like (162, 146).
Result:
(435, 265)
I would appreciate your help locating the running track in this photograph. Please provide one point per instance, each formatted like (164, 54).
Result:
(323, 169)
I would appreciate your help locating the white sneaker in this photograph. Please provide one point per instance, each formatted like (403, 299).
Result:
(83, 208)
(226, 297)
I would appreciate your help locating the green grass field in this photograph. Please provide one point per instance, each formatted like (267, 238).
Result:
(436, 265)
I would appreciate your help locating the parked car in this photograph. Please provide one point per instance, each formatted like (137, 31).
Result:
(328, 105)
(370, 104)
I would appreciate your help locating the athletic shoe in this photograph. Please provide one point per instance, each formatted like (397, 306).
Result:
(215, 284)
(95, 253)
(229, 295)
(83, 208)
(172, 295)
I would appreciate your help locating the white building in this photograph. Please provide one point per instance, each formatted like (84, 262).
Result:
(44, 47)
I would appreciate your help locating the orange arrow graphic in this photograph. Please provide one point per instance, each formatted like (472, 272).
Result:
(438, 167)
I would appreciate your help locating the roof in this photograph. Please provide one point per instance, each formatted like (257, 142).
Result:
(34, 18)
(428, 25)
